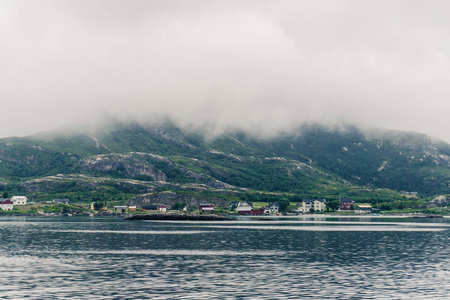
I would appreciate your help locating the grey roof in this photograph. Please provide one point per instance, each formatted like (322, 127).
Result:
(312, 200)
(60, 200)
(345, 199)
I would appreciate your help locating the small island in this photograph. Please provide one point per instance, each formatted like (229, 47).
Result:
(178, 217)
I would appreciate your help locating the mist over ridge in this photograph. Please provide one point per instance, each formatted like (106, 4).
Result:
(258, 66)
(210, 133)
(313, 160)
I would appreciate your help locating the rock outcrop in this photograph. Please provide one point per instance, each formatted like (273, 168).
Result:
(179, 217)
(169, 198)
(124, 164)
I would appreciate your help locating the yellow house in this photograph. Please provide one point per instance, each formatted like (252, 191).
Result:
(363, 209)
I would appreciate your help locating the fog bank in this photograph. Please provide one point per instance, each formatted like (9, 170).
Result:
(260, 66)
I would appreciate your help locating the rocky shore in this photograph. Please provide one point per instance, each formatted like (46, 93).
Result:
(179, 217)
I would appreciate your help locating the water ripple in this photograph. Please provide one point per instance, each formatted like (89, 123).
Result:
(133, 232)
(332, 228)
(112, 260)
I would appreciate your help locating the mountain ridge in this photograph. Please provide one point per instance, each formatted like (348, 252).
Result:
(312, 162)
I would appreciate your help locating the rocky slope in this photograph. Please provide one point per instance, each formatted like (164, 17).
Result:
(132, 161)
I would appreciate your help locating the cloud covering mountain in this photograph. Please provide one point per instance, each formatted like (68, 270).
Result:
(261, 66)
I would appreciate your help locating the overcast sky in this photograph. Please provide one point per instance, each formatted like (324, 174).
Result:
(261, 66)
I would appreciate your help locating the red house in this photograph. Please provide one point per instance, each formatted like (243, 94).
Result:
(346, 204)
(162, 207)
(258, 212)
(206, 207)
(6, 204)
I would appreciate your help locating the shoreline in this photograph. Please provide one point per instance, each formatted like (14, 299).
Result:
(193, 216)
(177, 217)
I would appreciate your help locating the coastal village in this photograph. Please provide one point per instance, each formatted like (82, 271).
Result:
(244, 208)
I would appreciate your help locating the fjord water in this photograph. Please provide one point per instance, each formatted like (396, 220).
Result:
(292, 258)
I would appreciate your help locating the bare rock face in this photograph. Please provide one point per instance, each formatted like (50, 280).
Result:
(220, 185)
(124, 164)
(169, 198)
(63, 183)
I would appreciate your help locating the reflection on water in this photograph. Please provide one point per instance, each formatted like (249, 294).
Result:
(331, 228)
(107, 258)
(133, 232)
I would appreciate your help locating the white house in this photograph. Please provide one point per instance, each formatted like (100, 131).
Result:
(244, 208)
(274, 207)
(6, 204)
(19, 200)
(363, 209)
(121, 208)
(61, 201)
(310, 205)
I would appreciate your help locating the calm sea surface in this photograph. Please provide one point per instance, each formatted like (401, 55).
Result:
(292, 258)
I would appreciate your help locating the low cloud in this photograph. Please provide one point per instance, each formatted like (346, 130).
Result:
(260, 66)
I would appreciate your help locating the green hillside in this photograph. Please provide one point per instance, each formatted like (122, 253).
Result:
(130, 160)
